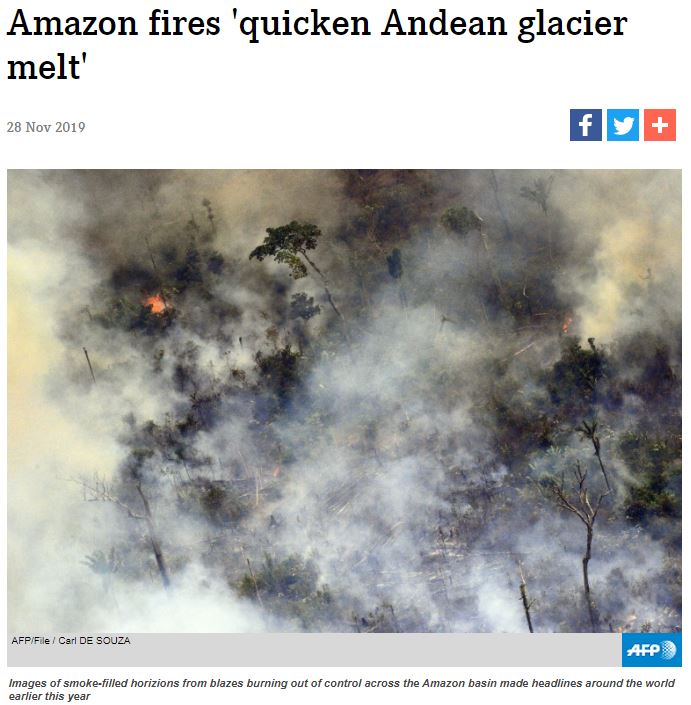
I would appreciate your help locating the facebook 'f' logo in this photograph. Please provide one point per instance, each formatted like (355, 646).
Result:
(586, 125)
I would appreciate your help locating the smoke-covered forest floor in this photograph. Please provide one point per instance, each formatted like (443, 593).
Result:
(363, 401)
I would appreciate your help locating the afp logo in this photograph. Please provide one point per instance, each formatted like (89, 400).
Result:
(651, 649)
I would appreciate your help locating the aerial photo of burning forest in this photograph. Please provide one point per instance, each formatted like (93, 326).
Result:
(344, 401)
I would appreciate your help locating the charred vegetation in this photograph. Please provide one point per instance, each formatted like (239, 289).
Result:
(363, 414)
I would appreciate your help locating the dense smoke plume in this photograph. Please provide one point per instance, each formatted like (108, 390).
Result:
(200, 441)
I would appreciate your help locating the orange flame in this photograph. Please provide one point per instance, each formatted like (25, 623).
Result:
(566, 325)
(156, 303)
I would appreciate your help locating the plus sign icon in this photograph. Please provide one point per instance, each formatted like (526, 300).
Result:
(660, 125)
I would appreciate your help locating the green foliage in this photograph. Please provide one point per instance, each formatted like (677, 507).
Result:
(190, 271)
(279, 371)
(521, 424)
(574, 377)
(297, 267)
(289, 588)
(303, 306)
(460, 220)
(279, 377)
(290, 578)
(522, 431)
(650, 372)
(135, 316)
(216, 501)
(655, 464)
(392, 204)
(286, 243)
(588, 431)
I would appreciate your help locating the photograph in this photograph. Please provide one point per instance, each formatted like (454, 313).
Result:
(344, 401)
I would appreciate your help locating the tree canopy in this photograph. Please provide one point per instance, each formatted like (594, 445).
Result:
(286, 243)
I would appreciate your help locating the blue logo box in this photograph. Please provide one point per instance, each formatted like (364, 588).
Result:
(585, 125)
(647, 649)
(623, 125)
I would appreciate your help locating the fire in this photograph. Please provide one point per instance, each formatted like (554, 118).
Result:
(156, 303)
(566, 325)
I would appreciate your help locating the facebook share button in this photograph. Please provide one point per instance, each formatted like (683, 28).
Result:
(586, 125)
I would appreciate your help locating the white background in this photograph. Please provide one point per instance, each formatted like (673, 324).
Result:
(347, 102)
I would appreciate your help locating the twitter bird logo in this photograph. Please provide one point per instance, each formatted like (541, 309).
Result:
(622, 125)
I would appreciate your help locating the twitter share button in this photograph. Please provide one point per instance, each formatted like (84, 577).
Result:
(622, 125)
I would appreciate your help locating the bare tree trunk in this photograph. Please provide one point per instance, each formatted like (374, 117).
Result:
(325, 285)
(590, 431)
(592, 610)
(155, 544)
(596, 445)
(100, 492)
(526, 603)
(582, 507)
(330, 298)
(88, 361)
